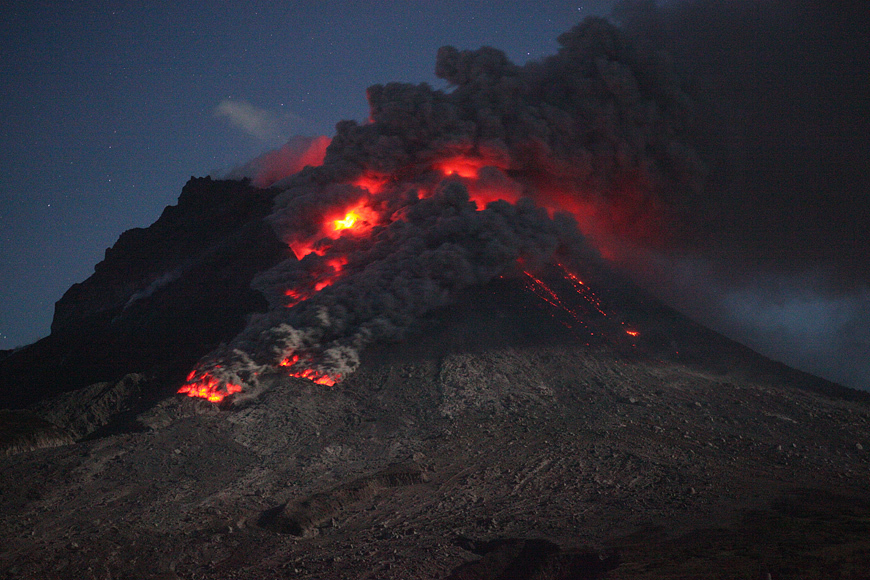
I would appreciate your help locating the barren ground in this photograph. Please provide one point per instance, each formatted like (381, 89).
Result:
(683, 469)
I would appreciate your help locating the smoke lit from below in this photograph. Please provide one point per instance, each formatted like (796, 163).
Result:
(592, 151)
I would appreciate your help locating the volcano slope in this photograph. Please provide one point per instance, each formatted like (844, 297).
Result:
(501, 439)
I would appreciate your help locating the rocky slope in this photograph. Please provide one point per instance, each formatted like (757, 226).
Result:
(535, 455)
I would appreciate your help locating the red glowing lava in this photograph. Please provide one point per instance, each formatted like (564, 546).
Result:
(467, 167)
(486, 175)
(335, 267)
(302, 248)
(312, 375)
(208, 387)
(356, 220)
(482, 189)
(373, 182)
(295, 297)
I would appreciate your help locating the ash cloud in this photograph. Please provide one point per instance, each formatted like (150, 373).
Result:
(402, 270)
(670, 141)
(598, 131)
(779, 92)
(254, 121)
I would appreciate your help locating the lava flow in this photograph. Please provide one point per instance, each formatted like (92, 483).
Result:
(208, 387)
(441, 191)
(372, 203)
(306, 373)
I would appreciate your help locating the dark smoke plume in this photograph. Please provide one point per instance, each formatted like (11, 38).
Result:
(676, 147)
(598, 135)
(781, 251)
(782, 89)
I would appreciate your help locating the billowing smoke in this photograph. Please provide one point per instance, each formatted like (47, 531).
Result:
(442, 190)
(779, 258)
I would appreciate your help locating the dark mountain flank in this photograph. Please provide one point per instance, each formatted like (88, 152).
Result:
(507, 436)
(163, 296)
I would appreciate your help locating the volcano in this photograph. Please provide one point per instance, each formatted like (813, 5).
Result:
(418, 357)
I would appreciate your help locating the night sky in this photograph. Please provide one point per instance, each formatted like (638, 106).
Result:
(109, 107)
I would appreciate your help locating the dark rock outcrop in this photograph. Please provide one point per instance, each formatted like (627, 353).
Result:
(22, 431)
(162, 297)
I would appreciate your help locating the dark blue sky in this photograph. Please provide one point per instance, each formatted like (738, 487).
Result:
(109, 107)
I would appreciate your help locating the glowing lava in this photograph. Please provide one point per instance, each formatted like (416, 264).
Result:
(380, 200)
(348, 221)
(467, 167)
(208, 387)
(372, 182)
(357, 220)
(312, 375)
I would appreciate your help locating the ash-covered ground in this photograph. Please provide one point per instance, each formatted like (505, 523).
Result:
(680, 455)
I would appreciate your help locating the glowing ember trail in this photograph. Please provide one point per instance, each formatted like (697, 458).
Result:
(545, 293)
(582, 289)
(310, 374)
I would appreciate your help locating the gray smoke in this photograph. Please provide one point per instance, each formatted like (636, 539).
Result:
(598, 130)
(777, 250)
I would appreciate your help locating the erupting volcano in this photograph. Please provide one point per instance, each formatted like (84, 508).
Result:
(429, 360)
(548, 163)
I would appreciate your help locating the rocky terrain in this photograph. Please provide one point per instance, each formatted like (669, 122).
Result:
(527, 455)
